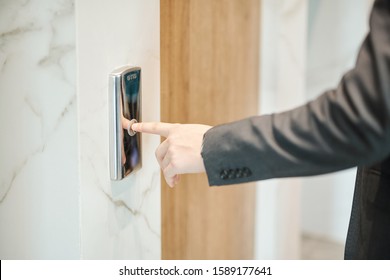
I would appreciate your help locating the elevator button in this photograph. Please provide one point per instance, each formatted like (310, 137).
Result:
(129, 130)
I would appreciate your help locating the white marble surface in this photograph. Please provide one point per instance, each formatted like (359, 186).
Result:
(320, 248)
(39, 215)
(119, 220)
(336, 31)
(306, 47)
(282, 82)
(56, 198)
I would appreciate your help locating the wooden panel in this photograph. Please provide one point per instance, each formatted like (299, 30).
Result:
(209, 75)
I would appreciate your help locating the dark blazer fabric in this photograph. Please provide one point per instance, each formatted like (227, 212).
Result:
(345, 127)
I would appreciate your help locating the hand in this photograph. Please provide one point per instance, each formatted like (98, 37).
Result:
(180, 152)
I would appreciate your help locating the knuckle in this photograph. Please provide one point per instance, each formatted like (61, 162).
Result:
(174, 164)
(171, 151)
(158, 156)
(156, 153)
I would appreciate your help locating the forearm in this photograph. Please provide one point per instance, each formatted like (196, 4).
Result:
(344, 127)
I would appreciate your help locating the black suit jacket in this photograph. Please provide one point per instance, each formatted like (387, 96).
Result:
(345, 127)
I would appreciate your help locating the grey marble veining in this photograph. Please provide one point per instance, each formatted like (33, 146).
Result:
(120, 220)
(56, 198)
(38, 164)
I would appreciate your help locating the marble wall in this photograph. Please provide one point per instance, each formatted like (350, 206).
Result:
(39, 202)
(327, 200)
(282, 86)
(56, 198)
(118, 219)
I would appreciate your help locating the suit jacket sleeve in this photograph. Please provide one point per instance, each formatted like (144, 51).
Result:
(344, 127)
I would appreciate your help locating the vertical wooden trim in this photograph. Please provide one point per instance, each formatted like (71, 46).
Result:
(209, 74)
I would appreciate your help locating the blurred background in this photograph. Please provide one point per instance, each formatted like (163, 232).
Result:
(56, 198)
(306, 47)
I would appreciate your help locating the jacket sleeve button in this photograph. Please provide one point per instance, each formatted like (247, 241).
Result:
(232, 174)
(224, 174)
(246, 172)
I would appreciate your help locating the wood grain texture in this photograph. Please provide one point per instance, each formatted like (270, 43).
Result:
(209, 75)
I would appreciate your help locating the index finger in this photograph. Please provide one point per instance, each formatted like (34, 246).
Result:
(158, 128)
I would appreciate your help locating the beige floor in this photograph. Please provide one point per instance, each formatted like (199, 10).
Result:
(315, 248)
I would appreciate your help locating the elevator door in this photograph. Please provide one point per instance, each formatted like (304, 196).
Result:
(209, 75)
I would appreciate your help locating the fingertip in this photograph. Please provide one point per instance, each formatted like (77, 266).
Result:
(157, 128)
(170, 182)
(136, 127)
